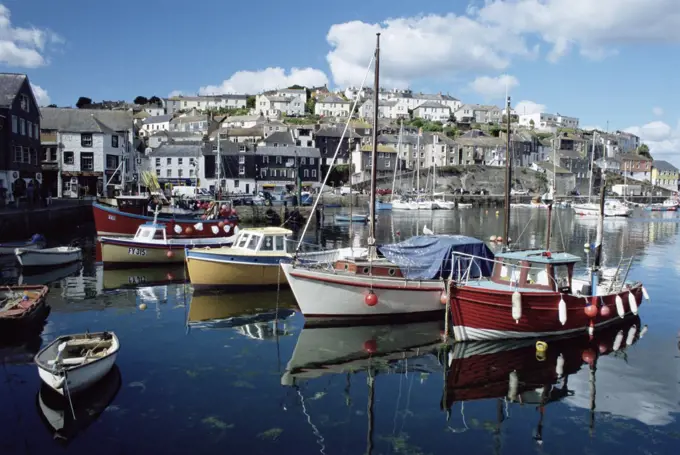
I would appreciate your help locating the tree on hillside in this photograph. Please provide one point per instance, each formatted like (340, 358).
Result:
(295, 87)
(532, 124)
(310, 105)
(52, 105)
(155, 100)
(644, 151)
(141, 100)
(83, 101)
(250, 102)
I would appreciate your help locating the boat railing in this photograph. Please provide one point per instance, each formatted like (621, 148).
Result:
(462, 269)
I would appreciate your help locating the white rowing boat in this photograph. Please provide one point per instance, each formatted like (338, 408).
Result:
(72, 363)
(61, 255)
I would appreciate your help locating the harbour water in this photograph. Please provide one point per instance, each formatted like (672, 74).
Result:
(240, 373)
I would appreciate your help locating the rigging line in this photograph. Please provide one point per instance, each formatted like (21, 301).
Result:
(396, 408)
(559, 225)
(337, 151)
(533, 212)
(315, 430)
(408, 404)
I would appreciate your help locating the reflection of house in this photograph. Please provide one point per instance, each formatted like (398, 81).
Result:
(90, 146)
(665, 175)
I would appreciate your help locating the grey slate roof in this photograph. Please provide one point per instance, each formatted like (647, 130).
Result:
(334, 99)
(280, 137)
(664, 166)
(9, 87)
(157, 119)
(307, 152)
(189, 119)
(177, 150)
(432, 104)
(336, 131)
(84, 120)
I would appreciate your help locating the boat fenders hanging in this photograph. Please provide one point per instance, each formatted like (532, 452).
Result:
(513, 384)
(632, 303)
(562, 310)
(516, 306)
(644, 293)
(619, 306)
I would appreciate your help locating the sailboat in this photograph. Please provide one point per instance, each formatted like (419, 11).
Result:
(409, 280)
(533, 293)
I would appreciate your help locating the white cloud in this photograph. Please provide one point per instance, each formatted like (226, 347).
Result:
(252, 82)
(41, 95)
(658, 111)
(23, 47)
(529, 107)
(175, 93)
(662, 139)
(494, 87)
(489, 37)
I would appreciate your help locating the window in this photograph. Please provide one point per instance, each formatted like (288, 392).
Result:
(263, 173)
(111, 161)
(36, 131)
(168, 161)
(27, 155)
(241, 170)
(30, 129)
(34, 156)
(387, 162)
(22, 127)
(180, 172)
(86, 140)
(191, 161)
(191, 172)
(158, 162)
(15, 124)
(18, 154)
(243, 241)
(241, 160)
(114, 141)
(265, 159)
(254, 240)
(278, 160)
(179, 161)
(268, 244)
(168, 173)
(303, 161)
(280, 242)
(25, 104)
(68, 158)
(86, 161)
(311, 161)
(306, 173)
(236, 183)
(158, 172)
(313, 173)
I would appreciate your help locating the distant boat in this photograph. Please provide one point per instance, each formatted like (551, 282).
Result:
(666, 206)
(23, 310)
(61, 255)
(354, 218)
(379, 205)
(34, 243)
(611, 209)
(72, 363)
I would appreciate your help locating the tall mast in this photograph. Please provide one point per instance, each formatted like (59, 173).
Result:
(592, 161)
(374, 153)
(396, 164)
(508, 158)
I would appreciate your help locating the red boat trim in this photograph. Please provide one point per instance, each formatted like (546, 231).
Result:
(371, 285)
(160, 220)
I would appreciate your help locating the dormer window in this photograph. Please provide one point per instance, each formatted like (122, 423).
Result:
(25, 104)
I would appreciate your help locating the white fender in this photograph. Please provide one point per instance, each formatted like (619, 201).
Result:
(516, 306)
(559, 367)
(631, 335)
(562, 311)
(591, 329)
(644, 293)
(643, 331)
(178, 229)
(619, 306)
(632, 303)
(236, 229)
(215, 230)
(198, 226)
(450, 358)
(617, 341)
(513, 383)
(227, 228)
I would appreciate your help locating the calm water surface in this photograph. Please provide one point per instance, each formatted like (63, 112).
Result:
(240, 373)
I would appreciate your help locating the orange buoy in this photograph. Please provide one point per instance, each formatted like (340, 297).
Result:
(221, 224)
(588, 356)
(170, 276)
(370, 346)
(170, 254)
(590, 310)
(443, 298)
(605, 311)
(371, 299)
(189, 230)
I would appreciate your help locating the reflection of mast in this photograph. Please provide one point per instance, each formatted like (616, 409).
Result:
(593, 368)
(500, 417)
(369, 442)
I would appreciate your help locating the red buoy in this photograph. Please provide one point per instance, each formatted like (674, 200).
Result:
(605, 311)
(590, 310)
(170, 276)
(371, 346)
(189, 230)
(221, 224)
(443, 298)
(588, 356)
(603, 348)
(371, 299)
(170, 254)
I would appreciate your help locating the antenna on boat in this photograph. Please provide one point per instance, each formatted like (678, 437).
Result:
(374, 153)
(508, 158)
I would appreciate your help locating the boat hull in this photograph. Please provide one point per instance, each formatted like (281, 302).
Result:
(351, 219)
(46, 258)
(482, 314)
(344, 296)
(78, 379)
(208, 270)
(27, 318)
(127, 251)
(10, 248)
(594, 210)
(111, 221)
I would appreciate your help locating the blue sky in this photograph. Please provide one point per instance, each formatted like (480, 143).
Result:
(598, 61)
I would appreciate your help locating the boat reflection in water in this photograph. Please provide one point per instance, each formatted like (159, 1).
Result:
(516, 372)
(252, 314)
(47, 276)
(65, 423)
(142, 276)
(20, 351)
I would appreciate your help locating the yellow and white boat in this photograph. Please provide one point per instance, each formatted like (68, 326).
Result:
(252, 260)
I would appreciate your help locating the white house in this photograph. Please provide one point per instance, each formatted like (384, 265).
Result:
(243, 121)
(274, 106)
(177, 163)
(154, 124)
(202, 103)
(431, 110)
(392, 109)
(332, 106)
(153, 110)
(628, 142)
(190, 123)
(478, 113)
(543, 121)
(413, 100)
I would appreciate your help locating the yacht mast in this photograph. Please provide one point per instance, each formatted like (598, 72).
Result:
(508, 158)
(374, 153)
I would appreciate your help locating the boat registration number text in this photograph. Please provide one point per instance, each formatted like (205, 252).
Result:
(136, 251)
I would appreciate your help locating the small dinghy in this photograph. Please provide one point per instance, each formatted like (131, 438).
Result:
(73, 363)
(34, 243)
(47, 257)
(23, 310)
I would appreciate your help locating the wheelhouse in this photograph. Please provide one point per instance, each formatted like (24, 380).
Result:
(151, 231)
(535, 269)
(266, 240)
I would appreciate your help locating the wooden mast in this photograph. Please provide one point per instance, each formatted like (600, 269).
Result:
(374, 153)
(508, 159)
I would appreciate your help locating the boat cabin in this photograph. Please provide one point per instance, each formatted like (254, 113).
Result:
(540, 270)
(151, 231)
(268, 239)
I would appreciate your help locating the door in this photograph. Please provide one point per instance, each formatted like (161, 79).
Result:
(247, 188)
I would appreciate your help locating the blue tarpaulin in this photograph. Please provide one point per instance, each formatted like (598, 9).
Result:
(429, 257)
